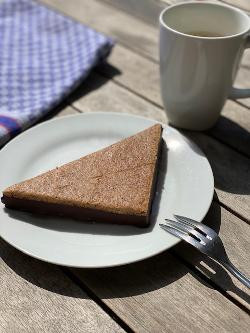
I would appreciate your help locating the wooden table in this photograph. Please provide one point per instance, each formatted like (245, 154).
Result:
(179, 290)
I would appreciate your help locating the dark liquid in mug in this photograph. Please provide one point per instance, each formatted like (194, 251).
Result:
(203, 34)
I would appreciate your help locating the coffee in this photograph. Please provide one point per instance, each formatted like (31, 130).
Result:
(204, 34)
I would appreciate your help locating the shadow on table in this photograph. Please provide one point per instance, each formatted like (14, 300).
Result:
(134, 279)
(232, 134)
(139, 41)
(160, 271)
(145, 276)
(92, 82)
(43, 275)
(206, 266)
(226, 165)
(128, 280)
(123, 281)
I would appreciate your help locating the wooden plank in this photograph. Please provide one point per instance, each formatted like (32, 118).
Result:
(232, 226)
(143, 39)
(38, 297)
(128, 69)
(119, 97)
(243, 81)
(100, 94)
(148, 10)
(233, 127)
(123, 66)
(162, 295)
(246, 59)
(208, 306)
(175, 2)
(134, 72)
(235, 236)
(67, 111)
(231, 173)
(231, 193)
(118, 24)
(243, 4)
(97, 102)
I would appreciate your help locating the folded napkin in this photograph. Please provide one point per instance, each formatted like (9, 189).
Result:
(43, 57)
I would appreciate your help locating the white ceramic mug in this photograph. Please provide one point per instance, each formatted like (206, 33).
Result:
(197, 72)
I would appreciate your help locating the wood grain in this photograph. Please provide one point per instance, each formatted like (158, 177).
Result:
(246, 59)
(123, 67)
(232, 226)
(148, 10)
(100, 94)
(233, 127)
(110, 20)
(130, 70)
(38, 297)
(134, 72)
(243, 81)
(233, 191)
(231, 173)
(162, 295)
(67, 111)
(243, 4)
(115, 23)
(235, 236)
(150, 295)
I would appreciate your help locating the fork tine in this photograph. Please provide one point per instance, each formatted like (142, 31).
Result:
(204, 229)
(183, 226)
(180, 234)
(176, 232)
(186, 220)
(191, 231)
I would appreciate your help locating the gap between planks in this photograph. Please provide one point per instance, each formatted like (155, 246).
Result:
(215, 132)
(37, 297)
(204, 277)
(228, 216)
(161, 288)
(66, 271)
(74, 110)
(89, 98)
(175, 252)
(85, 17)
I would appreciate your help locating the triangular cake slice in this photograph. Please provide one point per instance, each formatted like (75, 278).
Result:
(114, 185)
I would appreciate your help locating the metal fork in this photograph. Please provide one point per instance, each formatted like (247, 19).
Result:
(204, 239)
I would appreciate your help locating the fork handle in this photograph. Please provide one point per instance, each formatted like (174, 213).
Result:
(240, 276)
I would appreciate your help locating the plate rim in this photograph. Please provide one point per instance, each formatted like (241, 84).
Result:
(116, 114)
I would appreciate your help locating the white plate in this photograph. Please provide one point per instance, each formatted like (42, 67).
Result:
(185, 187)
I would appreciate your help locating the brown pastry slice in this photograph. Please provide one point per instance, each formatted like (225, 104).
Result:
(114, 185)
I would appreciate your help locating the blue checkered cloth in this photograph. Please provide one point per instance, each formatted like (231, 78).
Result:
(43, 57)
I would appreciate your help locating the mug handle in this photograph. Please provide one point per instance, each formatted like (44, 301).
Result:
(241, 92)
